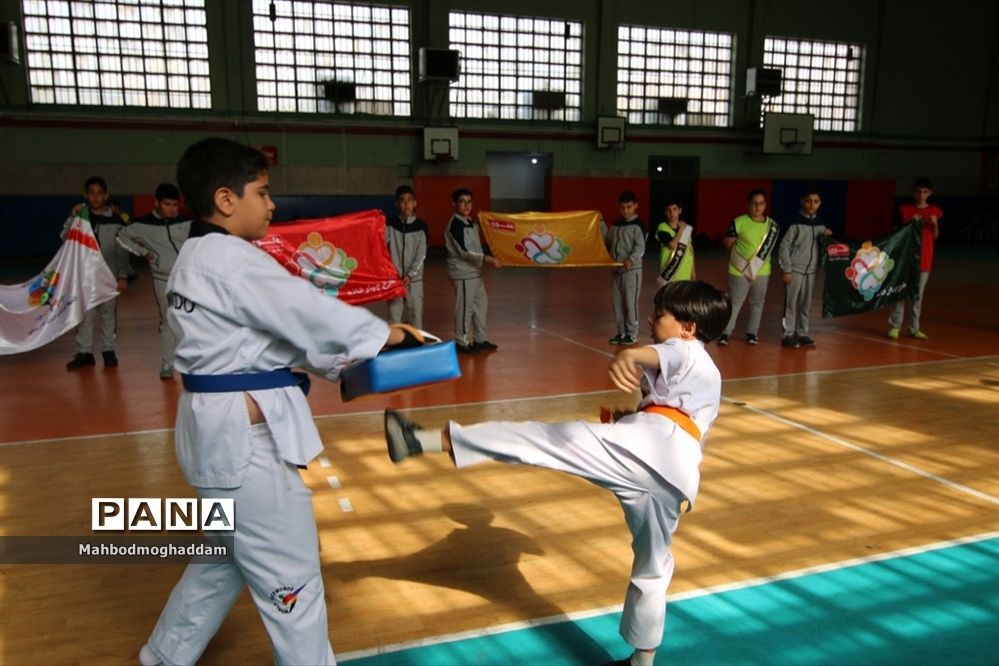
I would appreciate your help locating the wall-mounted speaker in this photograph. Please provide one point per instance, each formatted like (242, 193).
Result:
(548, 100)
(10, 44)
(673, 106)
(762, 82)
(439, 64)
(339, 92)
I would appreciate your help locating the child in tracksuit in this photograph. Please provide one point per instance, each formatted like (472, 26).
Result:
(157, 237)
(243, 422)
(465, 258)
(406, 236)
(625, 241)
(649, 459)
(798, 257)
(106, 226)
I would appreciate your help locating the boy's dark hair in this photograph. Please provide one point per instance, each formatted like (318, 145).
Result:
(753, 192)
(923, 182)
(95, 180)
(404, 189)
(459, 193)
(213, 163)
(811, 190)
(167, 191)
(627, 197)
(672, 202)
(697, 302)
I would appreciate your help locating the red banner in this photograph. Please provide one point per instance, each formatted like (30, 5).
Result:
(346, 256)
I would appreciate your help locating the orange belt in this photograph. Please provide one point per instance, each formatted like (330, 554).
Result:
(677, 417)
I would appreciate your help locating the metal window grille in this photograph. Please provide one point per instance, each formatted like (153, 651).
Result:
(517, 67)
(674, 77)
(817, 77)
(323, 57)
(150, 53)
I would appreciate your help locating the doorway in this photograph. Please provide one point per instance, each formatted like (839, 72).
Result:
(519, 182)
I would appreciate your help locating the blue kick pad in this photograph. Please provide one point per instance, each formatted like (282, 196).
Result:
(404, 368)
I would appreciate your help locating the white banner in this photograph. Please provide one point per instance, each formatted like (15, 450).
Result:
(37, 312)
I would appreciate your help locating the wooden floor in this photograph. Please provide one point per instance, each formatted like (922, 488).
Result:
(860, 446)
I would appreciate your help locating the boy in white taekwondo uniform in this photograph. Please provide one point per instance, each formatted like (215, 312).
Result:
(243, 423)
(649, 459)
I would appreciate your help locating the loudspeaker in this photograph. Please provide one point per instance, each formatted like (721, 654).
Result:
(439, 64)
(762, 82)
(673, 106)
(10, 47)
(548, 100)
(339, 92)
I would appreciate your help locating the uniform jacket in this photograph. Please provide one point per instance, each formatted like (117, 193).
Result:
(625, 239)
(106, 226)
(799, 249)
(465, 255)
(156, 237)
(407, 244)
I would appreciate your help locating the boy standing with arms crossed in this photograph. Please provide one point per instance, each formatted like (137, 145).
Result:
(649, 459)
(243, 423)
(157, 237)
(406, 236)
(625, 241)
(920, 210)
(798, 257)
(465, 258)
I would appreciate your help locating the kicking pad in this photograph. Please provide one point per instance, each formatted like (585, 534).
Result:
(401, 369)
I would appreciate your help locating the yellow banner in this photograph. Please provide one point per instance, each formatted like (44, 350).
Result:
(546, 239)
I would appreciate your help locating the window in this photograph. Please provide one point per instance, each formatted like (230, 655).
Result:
(321, 57)
(821, 78)
(517, 68)
(674, 77)
(151, 53)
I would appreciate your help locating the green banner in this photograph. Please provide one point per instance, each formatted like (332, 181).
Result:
(870, 274)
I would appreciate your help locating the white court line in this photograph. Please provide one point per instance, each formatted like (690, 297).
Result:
(317, 417)
(673, 598)
(868, 452)
(602, 352)
(895, 343)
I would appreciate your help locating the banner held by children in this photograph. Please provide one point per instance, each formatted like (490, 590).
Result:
(554, 240)
(345, 256)
(38, 311)
(868, 275)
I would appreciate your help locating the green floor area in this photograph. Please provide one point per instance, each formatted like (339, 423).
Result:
(937, 607)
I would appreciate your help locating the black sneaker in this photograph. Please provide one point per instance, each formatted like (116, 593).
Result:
(805, 341)
(485, 346)
(466, 349)
(400, 435)
(722, 340)
(628, 340)
(751, 339)
(790, 342)
(82, 359)
(616, 340)
(110, 360)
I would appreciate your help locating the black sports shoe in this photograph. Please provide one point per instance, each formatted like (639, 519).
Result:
(751, 339)
(806, 341)
(616, 340)
(628, 340)
(485, 346)
(790, 342)
(110, 360)
(466, 349)
(400, 435)
(723, 340)
(81, 360)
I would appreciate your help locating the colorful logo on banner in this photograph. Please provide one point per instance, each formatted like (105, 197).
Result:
(551, 240)
(41, 291)
(542, 247)
(869, 269)
(344, 256)
(872, 273)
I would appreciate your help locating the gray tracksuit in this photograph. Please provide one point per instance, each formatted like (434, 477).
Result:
(106, 226)
(625, 239)
(159, 240)
(407, 245)
(798, 254)
(465, 257)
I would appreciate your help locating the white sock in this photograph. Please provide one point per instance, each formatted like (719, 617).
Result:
(640, 658)
(430, 440)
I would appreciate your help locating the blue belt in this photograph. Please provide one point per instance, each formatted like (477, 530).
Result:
(247, 381)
